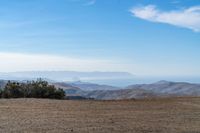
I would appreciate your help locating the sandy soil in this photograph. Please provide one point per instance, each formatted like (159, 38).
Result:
(175, 115)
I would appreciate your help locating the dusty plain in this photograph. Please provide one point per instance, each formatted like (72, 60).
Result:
(166, 115)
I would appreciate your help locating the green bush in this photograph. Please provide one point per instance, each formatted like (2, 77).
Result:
(33, 89)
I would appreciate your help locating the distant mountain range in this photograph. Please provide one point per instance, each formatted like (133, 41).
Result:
(138, 91)
(170, 88)
(158, 89)
(86, 86)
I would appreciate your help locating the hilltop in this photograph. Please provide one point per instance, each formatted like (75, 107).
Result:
(174, 115)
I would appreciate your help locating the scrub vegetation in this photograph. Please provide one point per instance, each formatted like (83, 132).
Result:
(31, 89)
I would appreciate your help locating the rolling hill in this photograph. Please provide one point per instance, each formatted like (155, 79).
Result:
(170, 88)
(86, 86)
(158, 89)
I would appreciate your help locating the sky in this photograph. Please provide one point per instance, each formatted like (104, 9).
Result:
(143, 37)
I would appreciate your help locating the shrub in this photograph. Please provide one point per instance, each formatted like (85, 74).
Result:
(33, 89)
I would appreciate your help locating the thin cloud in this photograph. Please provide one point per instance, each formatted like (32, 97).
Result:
(186, 18)
(36, 62)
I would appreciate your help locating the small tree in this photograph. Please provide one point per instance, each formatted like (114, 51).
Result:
(59, 94)
(12, 90)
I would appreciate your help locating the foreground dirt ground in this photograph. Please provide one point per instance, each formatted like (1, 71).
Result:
(177, 115)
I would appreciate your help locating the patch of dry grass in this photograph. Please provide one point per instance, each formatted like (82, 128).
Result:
(175, 115)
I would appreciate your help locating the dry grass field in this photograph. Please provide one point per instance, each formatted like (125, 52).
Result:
(175, 115)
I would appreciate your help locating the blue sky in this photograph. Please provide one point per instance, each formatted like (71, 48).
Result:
(157, 38)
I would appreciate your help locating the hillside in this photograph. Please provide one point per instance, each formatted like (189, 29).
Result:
(120, 94)
(158, 89)
(86, 86)
(69, 89)
(170, 88)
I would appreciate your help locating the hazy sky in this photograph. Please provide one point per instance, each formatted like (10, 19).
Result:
(144, 37)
